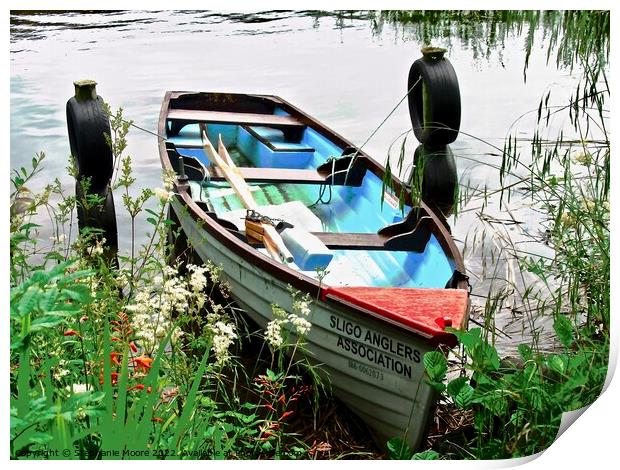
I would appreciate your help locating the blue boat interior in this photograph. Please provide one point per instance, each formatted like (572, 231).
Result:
(336, 208)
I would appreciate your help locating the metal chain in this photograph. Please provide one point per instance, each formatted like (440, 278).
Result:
(255, 216)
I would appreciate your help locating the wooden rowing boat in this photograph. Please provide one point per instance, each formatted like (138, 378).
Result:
(393, 279)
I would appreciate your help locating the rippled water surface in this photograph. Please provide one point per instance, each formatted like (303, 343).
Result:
(346, 71)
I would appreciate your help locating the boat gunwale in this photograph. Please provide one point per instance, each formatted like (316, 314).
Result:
(295, 278)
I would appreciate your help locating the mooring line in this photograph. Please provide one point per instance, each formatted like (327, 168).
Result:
(358, 150)
(379, 127)
(131, 123)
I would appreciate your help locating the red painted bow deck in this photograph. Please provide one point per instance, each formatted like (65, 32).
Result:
(426, 311)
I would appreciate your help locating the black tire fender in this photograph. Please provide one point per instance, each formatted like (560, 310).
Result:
(436, 120)
(87, 122)
(102, 217)
(439, 177)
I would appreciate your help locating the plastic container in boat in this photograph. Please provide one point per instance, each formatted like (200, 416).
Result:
(309, 252)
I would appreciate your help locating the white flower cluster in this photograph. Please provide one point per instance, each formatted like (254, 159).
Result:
(568, 220)
(223, 337)
(155, 306)
(214, 272)
(169, 178)
(61, 370)
(606, 206)
(59, 240)
(583, 158)
(197, 282)
(588, 204)
(302, 306)
(80, 388)
(302, 326)
(163, 195)
(297, 320)
(273, 334)
(97, 248)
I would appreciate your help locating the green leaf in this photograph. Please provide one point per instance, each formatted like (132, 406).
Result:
(436, 365)
(272, 376)
(461, 391)
(494, 401)
(464, 398)
(71, 277)
(455, 385)
(536, 398)
(426, 455)
(45, 322)
(439, 386)
(78, 292)
(558, 363)
(484, 356)
(40, 438)
(398, 449)
(28, 226)
(48, 299)
(525, 351)
(470, 338)
(29, 300)
(564, 329)
(16, 422)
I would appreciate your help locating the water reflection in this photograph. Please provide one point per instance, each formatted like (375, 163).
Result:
(435, 177)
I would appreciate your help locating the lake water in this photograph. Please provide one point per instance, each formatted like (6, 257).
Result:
(346, 71)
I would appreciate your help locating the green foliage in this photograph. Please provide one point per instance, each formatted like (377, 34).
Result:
(106, 364)
(518, 407)
(515, 405)
(400, 450)
(436, 367)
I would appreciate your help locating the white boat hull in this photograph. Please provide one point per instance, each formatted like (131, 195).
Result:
(374, 368)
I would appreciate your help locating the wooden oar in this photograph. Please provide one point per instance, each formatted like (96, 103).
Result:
(271, 238)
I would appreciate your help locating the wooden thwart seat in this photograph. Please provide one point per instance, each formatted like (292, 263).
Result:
(352, 241)
(220, 117)
(272, 175)
(414, 240)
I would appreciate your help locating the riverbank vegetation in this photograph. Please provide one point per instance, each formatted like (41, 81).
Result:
(559, 270)
(108, 359)
(140, 356)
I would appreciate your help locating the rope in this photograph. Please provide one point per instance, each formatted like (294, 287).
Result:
(333, 173)
(323, 186)
(143, 129)
(378, 127)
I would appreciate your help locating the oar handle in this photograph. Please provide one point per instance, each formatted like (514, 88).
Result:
(274, 237)
(273, 242)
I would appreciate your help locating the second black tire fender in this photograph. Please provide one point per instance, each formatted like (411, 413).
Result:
(438, 175)
(101, 217)
(87, 122)
(436, 120)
